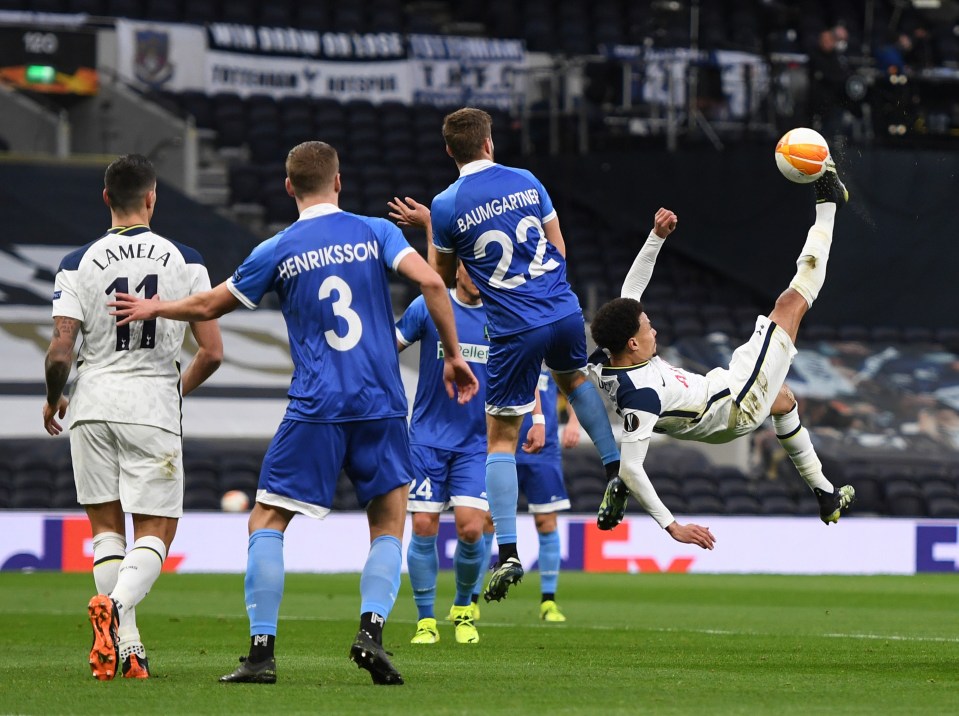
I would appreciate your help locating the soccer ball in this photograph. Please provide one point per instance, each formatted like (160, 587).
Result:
(801, 155)
(234, 501)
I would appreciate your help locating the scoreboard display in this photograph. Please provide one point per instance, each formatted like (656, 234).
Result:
(52, 60)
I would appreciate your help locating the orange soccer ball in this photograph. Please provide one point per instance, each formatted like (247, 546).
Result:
(801, 155)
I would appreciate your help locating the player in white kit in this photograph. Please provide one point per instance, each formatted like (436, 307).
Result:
(125, 432)
(726, 403)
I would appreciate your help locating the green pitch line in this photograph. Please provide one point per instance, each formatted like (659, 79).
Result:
(658, 644)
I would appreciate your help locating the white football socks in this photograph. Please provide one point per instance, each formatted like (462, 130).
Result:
(798, 446)
(138, 571)
(812, 260)
(109, 549)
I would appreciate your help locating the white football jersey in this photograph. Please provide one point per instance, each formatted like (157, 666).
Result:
(127, 374)
(685, 405)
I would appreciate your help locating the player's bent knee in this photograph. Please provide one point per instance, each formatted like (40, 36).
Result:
(788, 312)
(784, 401)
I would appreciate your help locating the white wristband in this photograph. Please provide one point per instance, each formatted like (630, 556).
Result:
(539, 419)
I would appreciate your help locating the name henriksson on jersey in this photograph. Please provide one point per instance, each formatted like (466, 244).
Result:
(309, 260)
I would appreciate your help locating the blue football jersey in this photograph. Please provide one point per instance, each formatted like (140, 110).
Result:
(437, 420)
(329, 270)
(492, 217)
(548, 396)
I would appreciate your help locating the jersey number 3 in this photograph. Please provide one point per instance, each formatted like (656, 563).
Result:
(149, 287)
(341, 308)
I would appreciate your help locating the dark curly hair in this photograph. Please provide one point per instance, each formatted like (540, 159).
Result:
(615, 323)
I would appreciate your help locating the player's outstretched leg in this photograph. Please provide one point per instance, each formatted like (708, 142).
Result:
(504, 576)
(829, 189)
(105, 620)
(612, 509)
(367, 654)
(797, 443)
(832, 504)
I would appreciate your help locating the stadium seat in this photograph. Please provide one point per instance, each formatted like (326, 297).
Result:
(903, 498)
(199, 12)
(244, 184)
(313, 15)
(96, 8)
(276, 13)
(943, 507)
(241, 12)
(772, 488)
(125, 8)
(742, 505)
(777, 505)
(918, 334)
(163, 10)
(705, 505)
(699, 484)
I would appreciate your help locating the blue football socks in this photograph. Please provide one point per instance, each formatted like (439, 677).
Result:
(502, 492)
(423, 564)
(487, 551)
(549, 559)
(467, 568)
(380, 580)
(263, 585)
(591, 411)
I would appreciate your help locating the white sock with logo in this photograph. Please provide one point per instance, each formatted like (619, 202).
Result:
(798, 446)
(811, 265)
(138, 571)
(109, 551)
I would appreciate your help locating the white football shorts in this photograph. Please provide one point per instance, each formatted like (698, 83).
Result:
(140, 465)
(757, 371)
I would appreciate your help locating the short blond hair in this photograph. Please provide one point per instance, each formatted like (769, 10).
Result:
(311, 167)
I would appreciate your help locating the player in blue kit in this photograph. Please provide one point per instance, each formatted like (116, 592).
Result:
(347, 404)
(448, 446)
(501, 223)
(540, 476)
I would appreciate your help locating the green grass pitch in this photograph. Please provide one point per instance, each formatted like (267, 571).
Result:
(660, 644)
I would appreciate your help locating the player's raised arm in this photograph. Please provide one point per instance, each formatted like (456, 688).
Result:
(207, 359)
(202, 306)
(642, 269)
(456, 371)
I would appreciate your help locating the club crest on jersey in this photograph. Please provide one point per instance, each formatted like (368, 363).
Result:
(631, 422)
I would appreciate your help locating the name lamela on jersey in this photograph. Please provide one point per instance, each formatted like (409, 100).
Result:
(338, 254)
(472, 352)
(131, 251)
(497, 207)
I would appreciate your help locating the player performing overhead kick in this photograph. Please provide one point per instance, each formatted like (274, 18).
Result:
(726, 403)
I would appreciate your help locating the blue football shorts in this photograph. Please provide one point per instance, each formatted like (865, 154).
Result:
(514, 362)
(447, 478)
(541, 480)
(302, 465)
